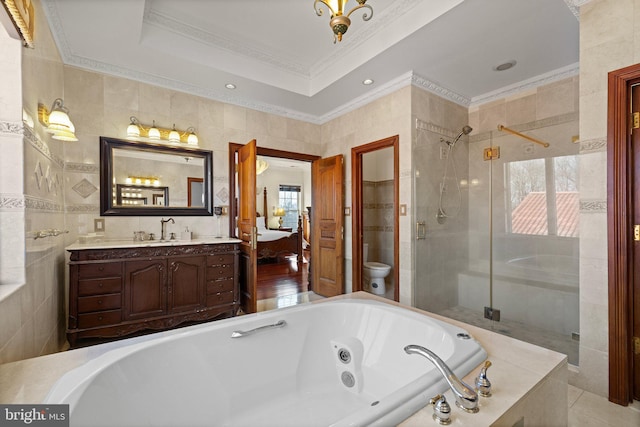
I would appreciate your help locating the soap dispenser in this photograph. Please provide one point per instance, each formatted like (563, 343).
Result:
(186, 234)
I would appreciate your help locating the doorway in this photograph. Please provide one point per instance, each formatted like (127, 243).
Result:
(278, 278)
(623, 212)
(375, 200)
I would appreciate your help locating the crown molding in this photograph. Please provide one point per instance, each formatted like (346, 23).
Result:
(441, 91)
(532, 83)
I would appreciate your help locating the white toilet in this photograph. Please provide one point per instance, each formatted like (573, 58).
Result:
(374, 273)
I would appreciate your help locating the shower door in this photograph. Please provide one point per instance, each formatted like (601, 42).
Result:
(508, 259)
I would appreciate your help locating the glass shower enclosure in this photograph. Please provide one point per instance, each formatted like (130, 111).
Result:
(496, 238)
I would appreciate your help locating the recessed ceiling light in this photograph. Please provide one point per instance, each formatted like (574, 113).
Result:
(230, 86)
(505, 66)
(367, 82)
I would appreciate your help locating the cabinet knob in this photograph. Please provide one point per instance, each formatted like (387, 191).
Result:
(100, 268)
(100, 284)
(99, 302)
(99, 317)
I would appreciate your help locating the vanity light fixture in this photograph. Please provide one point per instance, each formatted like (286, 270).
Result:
(136, 130)
(57, 122)
(147, 181)
(340, 21)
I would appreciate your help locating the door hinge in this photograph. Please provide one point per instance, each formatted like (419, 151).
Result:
(636, 232)
(636, 345)
(636, 120)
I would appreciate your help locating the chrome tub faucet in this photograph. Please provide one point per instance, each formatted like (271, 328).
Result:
(163, 223)
(466, 397)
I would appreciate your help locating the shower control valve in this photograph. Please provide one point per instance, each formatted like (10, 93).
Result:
(482, 382)
(441, 410)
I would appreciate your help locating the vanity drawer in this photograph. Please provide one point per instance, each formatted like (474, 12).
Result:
(99, 303)
(90, 271)
(222, 259)
(215, 286)
(220, 298)
(99, 286)
(101, 318)
(219, 271)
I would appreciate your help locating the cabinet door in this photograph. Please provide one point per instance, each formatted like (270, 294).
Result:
(186, 283)
(145, 288)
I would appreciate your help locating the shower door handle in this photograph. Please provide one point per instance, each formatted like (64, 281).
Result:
(421, 230)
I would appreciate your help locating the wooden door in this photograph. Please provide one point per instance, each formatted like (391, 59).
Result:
(145, 288)
(327, 248)
(186, 285)
(635, 317)
(247, 231)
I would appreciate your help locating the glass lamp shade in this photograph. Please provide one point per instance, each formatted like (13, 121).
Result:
(174, 136)
(154, 132)
(261, 166)
(63, 135)
(192, 139)
(58, 121)
(133, 131)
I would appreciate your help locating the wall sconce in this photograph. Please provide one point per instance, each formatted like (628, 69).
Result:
(57, 122)
(137, 129)
(279, 212)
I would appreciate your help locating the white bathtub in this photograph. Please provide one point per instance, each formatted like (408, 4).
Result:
(288, 376)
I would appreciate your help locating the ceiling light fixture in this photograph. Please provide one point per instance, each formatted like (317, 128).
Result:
(505, 66)
(340, 21)
(230, 86)
(367, 82)
(136, 130)
(261, 166)
(57, 122)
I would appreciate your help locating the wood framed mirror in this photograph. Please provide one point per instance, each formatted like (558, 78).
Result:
(146, 179)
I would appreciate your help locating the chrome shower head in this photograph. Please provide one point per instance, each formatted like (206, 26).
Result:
(466, 130)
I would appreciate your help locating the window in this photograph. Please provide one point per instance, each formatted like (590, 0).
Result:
(289, 200)
(542, 196)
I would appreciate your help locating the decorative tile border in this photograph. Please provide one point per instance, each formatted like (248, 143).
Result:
(593, 145)
(593, 206)
(82, 167)
(43, 205)
(12, 202)
(15, 128)
(82, 209)
(43, 148)
(432, 127)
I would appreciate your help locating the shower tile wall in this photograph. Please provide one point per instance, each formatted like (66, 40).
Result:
(378, 221)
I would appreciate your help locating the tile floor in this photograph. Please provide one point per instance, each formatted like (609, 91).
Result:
(588, 409)
(585, 409)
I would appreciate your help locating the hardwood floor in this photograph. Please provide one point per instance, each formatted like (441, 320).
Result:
(285, 277)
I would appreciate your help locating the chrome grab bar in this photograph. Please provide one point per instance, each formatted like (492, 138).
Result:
(240, 334)
(48, 233)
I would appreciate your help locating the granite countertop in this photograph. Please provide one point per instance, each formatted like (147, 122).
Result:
(114, 244)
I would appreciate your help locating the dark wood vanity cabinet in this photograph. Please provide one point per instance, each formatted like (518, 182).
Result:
(117, 292)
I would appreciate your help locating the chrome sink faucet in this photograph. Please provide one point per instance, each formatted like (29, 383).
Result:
(466, 397)
(163, 227)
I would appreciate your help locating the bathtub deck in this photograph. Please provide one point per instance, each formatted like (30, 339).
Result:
(541, 381)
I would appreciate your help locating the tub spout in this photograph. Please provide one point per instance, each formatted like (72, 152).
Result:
(466, 397)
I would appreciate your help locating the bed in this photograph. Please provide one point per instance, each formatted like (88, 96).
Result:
(275, 243)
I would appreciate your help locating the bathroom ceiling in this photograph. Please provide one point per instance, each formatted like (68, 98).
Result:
(282, 59)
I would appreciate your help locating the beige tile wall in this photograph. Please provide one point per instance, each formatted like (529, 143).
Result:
(609, 40)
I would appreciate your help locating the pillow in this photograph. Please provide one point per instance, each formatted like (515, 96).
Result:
(260, 223)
